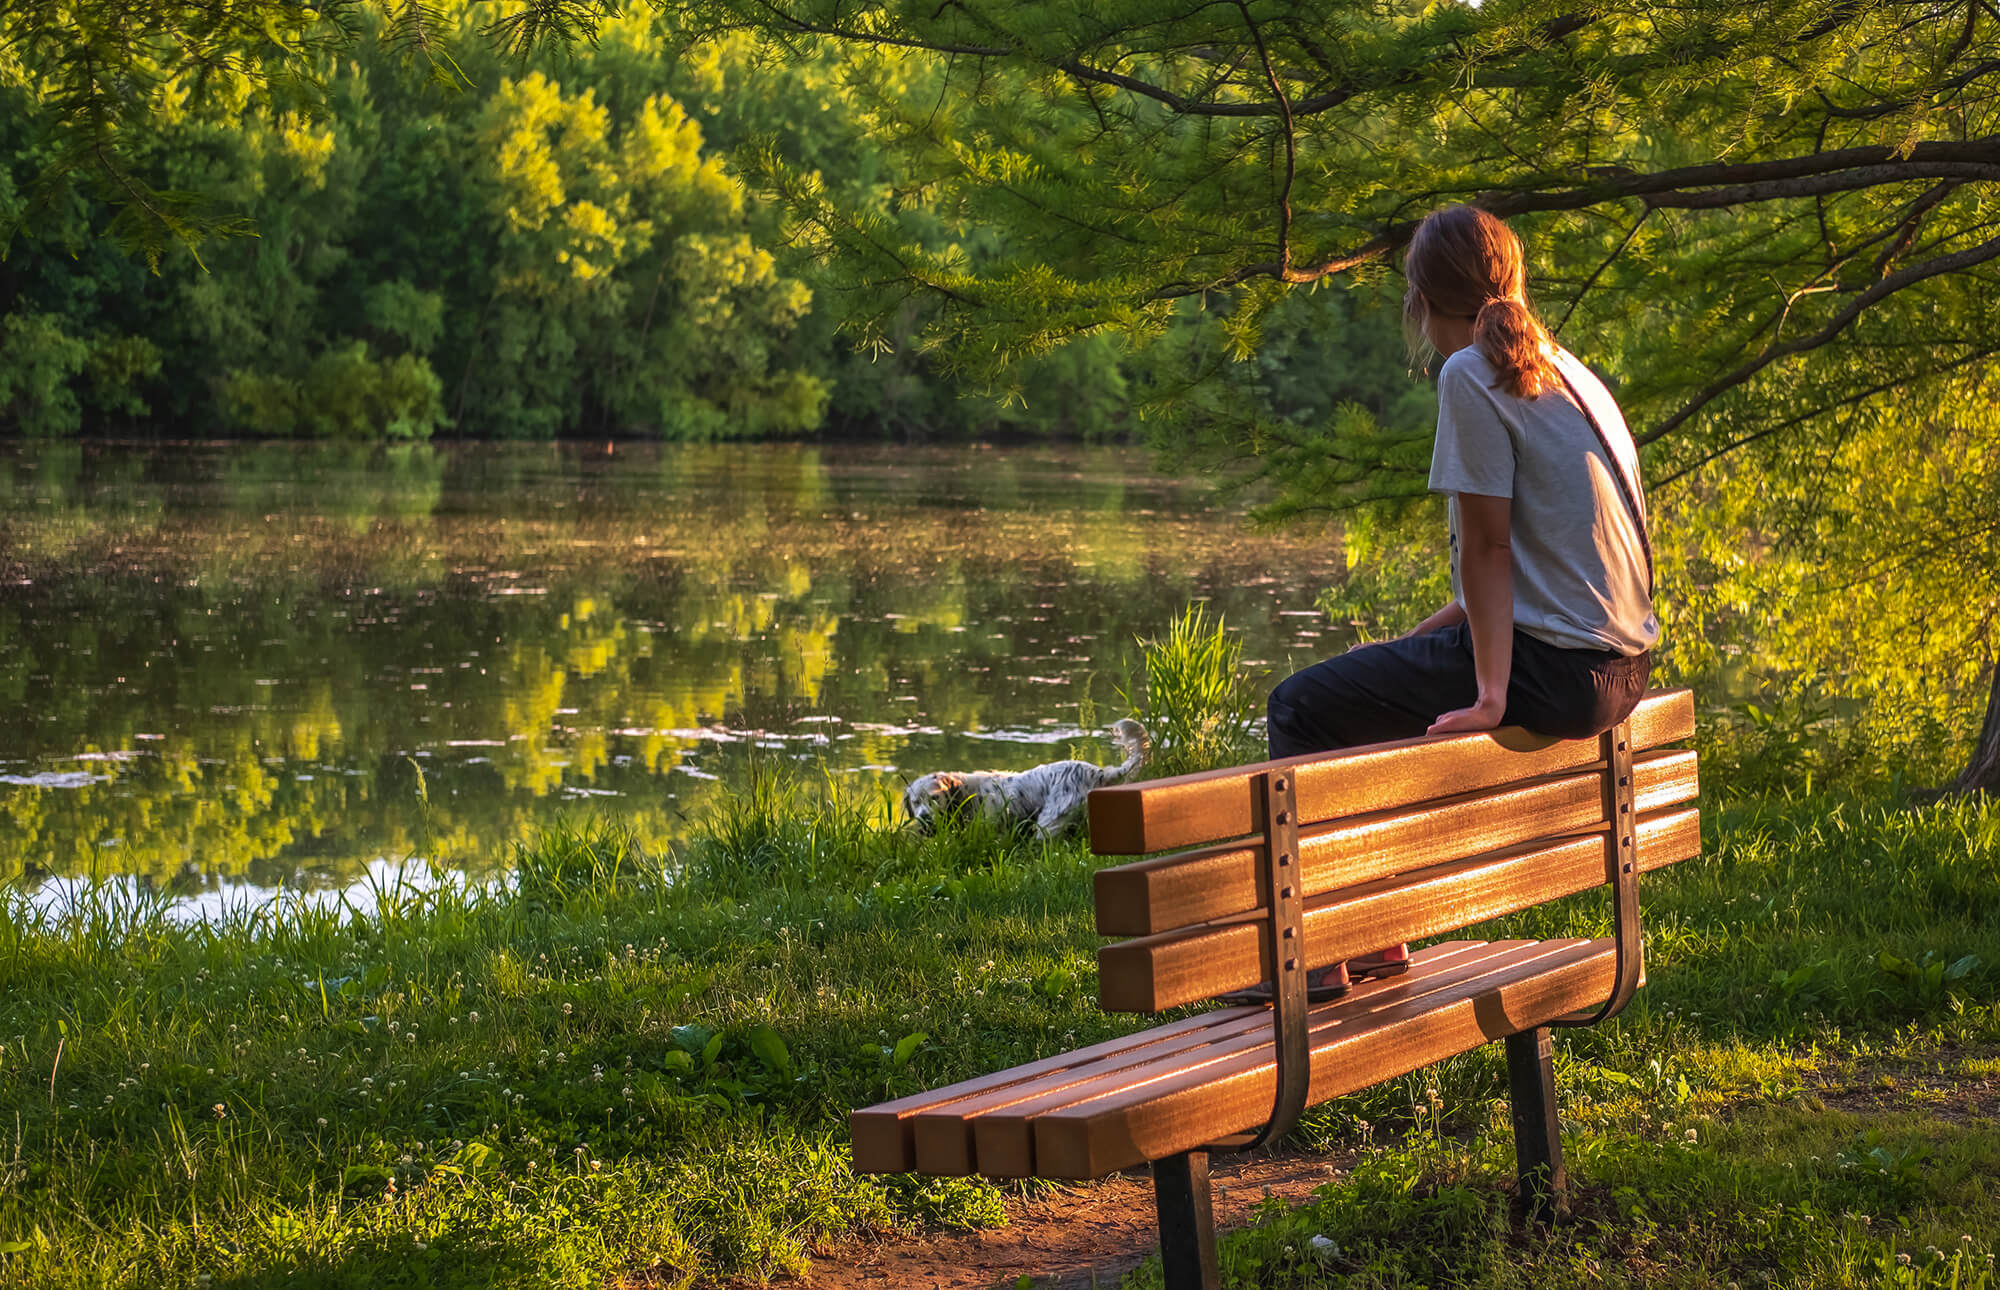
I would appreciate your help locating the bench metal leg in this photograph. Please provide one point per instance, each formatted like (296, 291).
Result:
(1187, 1222)
(1531, 1080)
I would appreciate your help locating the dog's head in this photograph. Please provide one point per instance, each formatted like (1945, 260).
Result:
(930, 800)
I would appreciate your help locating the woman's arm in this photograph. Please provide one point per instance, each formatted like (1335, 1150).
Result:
(1450, 616)
(1486, 579)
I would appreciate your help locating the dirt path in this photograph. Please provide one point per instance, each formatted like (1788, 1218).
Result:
(1085, 1236)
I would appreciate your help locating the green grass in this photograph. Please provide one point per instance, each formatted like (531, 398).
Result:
(637, 1068)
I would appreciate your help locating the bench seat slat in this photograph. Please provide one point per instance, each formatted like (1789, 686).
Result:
(883, 1136)
(945, 1143)
(1192, 887)
(1004, 1137)
(1152, 973)
(1541, 982)
(1188, 810)
(1121, 1079)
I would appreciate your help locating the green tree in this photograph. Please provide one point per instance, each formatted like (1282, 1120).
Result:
(506, 255)
(625, 253)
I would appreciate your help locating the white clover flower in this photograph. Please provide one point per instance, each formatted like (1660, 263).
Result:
(472, 1017)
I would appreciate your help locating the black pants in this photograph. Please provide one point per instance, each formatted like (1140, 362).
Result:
(1395, 689)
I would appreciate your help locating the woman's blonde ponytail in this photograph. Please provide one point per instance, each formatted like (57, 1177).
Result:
(1517, 345)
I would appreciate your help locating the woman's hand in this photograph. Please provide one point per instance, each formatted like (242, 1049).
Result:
(1483, 715)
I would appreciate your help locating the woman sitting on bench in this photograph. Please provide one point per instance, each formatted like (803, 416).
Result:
(1552, 614)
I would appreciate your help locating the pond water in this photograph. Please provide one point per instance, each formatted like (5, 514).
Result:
(227, 669)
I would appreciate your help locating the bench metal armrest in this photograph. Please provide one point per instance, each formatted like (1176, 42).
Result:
(1284, 901)
(1620, 810)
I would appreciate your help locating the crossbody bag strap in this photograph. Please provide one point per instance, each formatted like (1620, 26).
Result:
(1626, 489)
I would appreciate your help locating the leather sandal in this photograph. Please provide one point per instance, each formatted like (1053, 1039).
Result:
(1322, 986)
(1383, 963)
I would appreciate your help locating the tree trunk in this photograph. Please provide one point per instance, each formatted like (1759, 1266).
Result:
(1982, 773)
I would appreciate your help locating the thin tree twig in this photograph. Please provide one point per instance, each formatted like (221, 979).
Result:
(1598, 272)
(1838, 323)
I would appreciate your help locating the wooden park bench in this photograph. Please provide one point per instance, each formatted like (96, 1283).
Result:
(1286, 866)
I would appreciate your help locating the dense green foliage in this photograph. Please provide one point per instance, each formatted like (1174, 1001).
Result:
(517, 250)
(1749, 213)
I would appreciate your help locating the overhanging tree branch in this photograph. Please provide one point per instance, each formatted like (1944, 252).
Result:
(1686, 187)
(1840, 322)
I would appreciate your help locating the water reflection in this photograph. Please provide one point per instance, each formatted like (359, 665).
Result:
(227, 665)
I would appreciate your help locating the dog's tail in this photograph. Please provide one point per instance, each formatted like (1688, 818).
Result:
(1132, 737)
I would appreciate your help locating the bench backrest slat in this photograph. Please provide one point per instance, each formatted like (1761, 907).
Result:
(1151, 973)
(1393, 843)
(1202, 885)
(1189, 810)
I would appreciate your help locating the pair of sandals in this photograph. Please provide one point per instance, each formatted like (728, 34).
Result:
(1331, 982)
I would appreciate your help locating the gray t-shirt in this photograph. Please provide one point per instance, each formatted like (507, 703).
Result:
(1580, 578)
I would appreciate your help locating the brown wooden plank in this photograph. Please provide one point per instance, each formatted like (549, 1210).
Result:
(1117, 1131)
(943, 1132)
(1191, 887)
(1004, 1138)
(882, 1134)
(1190, 810)
(1152, 973)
